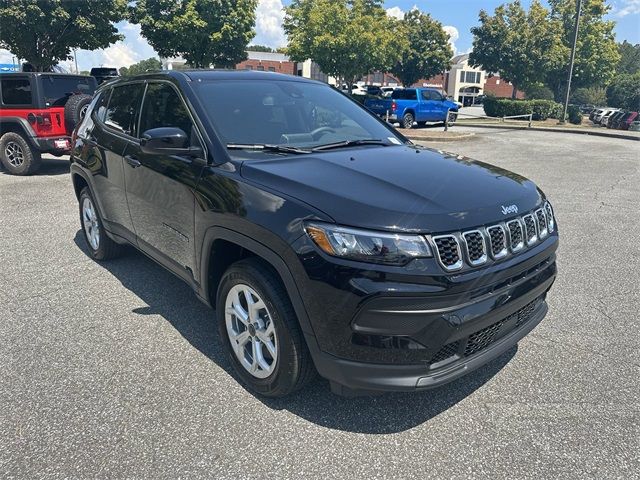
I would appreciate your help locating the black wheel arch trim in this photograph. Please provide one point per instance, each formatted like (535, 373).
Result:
(27, 130)
(274, 259)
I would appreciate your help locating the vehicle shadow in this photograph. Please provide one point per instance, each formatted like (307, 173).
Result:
(172, 299)
(49, 166)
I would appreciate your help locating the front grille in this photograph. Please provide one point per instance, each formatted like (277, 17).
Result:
(530, 229)
(498, 241)
(476, 250)
(483, 338)
(495, 241)
(448, 251)
(542, 223)
(447, 351)
(516, 239)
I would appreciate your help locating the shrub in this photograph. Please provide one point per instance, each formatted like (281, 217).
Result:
(589, 96)
(574, 114)
(504, 107)
(539, 92)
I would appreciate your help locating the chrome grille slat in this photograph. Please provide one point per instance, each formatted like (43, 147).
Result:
(551, 222)
(531, 234)
(475, 246)
(541, 217)
(516, 235)
(497, 241)
(449, 253)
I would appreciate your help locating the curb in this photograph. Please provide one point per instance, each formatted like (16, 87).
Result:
(447, 138)
(553, 129)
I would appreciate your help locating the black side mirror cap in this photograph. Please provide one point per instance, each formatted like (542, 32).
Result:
(168, 141)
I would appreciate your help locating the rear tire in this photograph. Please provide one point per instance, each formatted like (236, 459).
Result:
(265, 343)
(17, 156)
(100, 246)
(407, 120)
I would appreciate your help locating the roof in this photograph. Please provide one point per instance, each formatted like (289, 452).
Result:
(219, 74)
(458, 59)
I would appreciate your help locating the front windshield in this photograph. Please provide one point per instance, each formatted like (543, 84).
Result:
(299, 114)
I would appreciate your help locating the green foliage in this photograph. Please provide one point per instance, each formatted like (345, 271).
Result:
(427, 51)
(589, 96)
(504, 107)
(521, 46)
(574, 114)
(629, 57)
(203, 32)
(540, 92)
(346, 38)
(597, 52)
(624, 92)
(43, 32)
(260, 48)
(149, 65)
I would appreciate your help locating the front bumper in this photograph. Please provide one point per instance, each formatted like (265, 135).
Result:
(385, 331)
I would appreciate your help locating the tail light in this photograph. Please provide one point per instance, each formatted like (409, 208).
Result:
(394, 106)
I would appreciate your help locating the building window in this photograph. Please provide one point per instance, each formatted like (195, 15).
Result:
(462, 72)
(272, 69)
(260, 68)
(248, 67)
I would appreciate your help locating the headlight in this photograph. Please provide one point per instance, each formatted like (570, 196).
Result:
(368, 246)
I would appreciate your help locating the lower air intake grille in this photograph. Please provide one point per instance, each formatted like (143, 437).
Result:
(483, 338)
(449, 350)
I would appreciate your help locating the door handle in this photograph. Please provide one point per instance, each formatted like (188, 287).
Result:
(134, 162)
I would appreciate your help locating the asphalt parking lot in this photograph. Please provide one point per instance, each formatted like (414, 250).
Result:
(115, 369)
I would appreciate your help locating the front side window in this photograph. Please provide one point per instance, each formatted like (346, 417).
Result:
(286, 112)
(123, 106)
(58, 89)
(163, 107)
(16, 91)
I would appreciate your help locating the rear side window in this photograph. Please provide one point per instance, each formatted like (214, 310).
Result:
(408, 94)
(58, 89)
(163, 107)
(121, 114)
(16, 91)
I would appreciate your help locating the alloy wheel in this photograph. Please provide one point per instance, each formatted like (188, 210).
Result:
(251, 331)
(14, 153)
(90, 223)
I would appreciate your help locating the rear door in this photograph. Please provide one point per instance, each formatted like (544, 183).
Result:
(115, 117)
(160, 188)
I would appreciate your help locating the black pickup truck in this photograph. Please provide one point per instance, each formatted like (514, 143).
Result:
(324, 239)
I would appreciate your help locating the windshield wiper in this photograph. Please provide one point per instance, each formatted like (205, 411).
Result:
(351, 143)
(267, 147)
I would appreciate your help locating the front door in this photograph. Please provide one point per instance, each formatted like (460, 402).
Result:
(160, 188)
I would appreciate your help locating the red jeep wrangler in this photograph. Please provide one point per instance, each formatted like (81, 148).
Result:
(38, 112)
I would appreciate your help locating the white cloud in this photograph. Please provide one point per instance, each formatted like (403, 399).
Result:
(269, 17)
(627, 7)
(395, 12)
(453, 36)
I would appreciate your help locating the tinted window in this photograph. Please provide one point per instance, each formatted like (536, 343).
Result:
(163, 107)
(431, 95)
(286, 112)
(123, 106)
(405, 94)
(58, 89)
(16, 91)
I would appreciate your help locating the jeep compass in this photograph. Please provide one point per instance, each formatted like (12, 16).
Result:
(325, 241)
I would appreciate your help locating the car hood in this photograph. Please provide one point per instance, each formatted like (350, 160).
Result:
(397, 187)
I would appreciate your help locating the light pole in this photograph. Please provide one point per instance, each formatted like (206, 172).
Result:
(573, 57)
(75, 58)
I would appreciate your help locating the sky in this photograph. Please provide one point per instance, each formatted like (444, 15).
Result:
(457, 17)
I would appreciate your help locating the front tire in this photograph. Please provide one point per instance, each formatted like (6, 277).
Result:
(100, 246)
(17, 156)
(260, 330)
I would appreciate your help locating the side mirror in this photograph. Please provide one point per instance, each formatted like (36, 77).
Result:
(168, 141)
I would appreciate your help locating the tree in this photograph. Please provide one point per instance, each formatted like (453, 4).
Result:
(149, 65)
(629, 57)
(427, 51)
(520, 46)
(43, 32)
(539, 92)
(589, 96)
(259, 48)
(346, 38)
(203, 32)
(596, 51)
(624, 92)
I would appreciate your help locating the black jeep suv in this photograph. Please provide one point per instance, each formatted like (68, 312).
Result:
(323, 238)
(38, 112)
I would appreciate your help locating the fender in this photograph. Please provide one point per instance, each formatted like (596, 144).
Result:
(23, 125)
(220, 233)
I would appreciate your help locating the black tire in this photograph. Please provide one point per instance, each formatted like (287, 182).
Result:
(293, 366)
(106, 248)
(422, 124)
(74, 110)
(453, 116)
(17, 156)
(407, 120)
